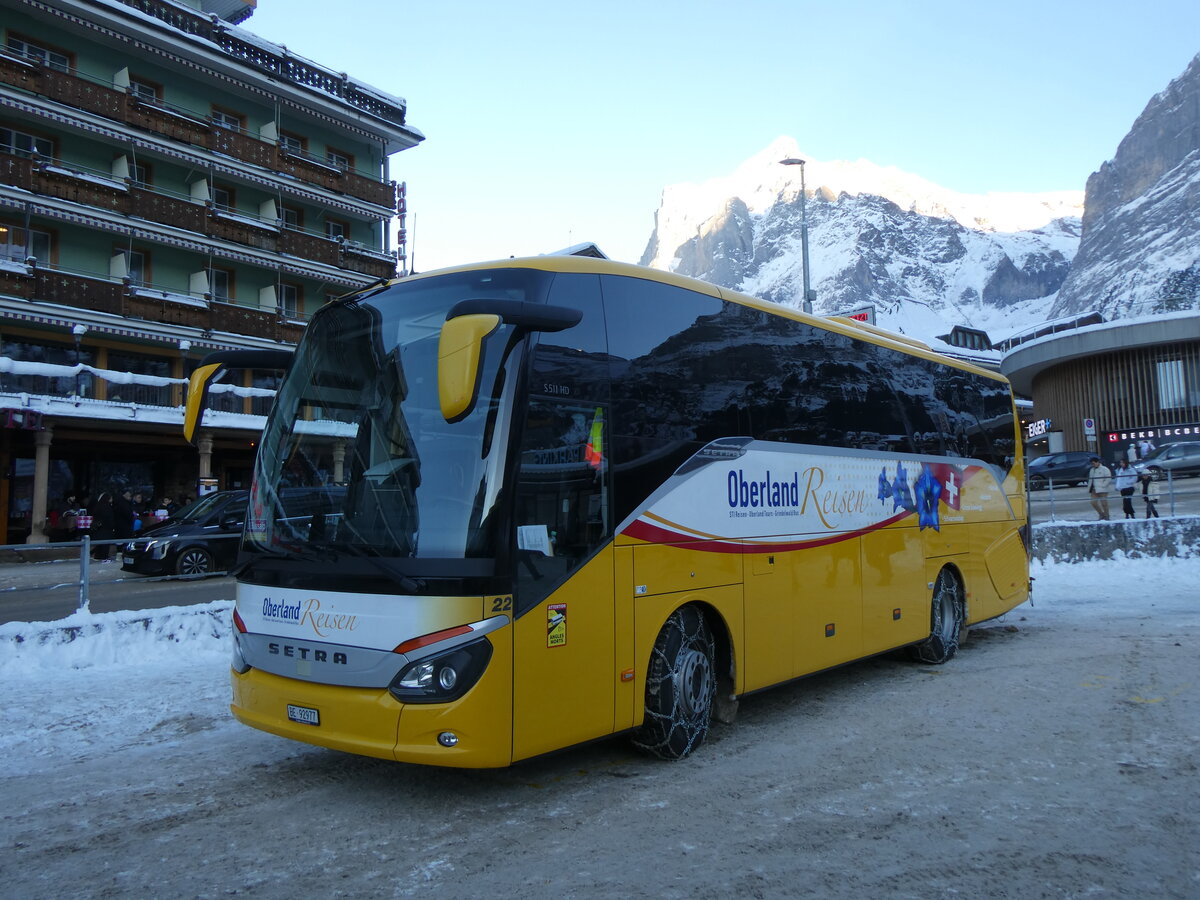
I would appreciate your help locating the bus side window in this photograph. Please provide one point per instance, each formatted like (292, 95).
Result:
(562, 509)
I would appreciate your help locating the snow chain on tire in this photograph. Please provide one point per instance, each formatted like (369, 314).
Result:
(946, 622)
(680, 686)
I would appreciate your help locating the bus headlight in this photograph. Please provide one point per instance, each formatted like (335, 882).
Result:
(239, 660)
(444, 677)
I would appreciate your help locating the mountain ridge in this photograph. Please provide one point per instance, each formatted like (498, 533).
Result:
(927, 258)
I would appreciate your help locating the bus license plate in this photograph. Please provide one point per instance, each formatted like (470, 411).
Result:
(304, 715)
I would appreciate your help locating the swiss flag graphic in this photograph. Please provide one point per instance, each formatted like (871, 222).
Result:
(951, 480)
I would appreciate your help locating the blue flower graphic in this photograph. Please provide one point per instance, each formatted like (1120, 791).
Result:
(929, 491)
(901, 495)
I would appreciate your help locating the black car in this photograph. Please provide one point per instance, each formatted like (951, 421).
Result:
(1066, 469)
(200, 538)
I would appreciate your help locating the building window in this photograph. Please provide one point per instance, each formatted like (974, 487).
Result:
(54, 59)
(134, 392)
(53, 354)
(146, 91)
(223, 118)
(19, 143)
(343, 161)
(139, 174)
(221, 284)
(292, 143)
(290, 298)
(18, 244)
(137, 267)
(292, 217)
(335, 230)
(1172, 391)
(223, 198)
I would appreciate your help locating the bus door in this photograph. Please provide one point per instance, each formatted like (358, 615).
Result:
(563, 655)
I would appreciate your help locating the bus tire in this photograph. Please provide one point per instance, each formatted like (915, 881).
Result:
(946, 621)
(681, 684)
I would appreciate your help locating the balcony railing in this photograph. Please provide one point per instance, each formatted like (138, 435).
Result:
(77, 184)
(122, 298)
(277, 62)
(99, 96)
(88, 383)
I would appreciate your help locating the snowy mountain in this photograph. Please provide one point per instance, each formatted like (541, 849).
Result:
(925, 257)
(1139, 251)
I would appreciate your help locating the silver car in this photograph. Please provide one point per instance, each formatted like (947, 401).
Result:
(1179, 458)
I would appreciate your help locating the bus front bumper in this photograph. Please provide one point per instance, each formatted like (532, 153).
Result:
(372, 722)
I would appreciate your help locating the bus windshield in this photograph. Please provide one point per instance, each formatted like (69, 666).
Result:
(357, 459)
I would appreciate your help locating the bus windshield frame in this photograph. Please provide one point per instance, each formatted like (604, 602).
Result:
(358, 464)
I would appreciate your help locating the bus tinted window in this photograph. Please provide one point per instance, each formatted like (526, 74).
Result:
(573, 364)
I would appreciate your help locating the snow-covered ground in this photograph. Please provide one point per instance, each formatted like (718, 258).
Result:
(93, 684)
(1055, 757)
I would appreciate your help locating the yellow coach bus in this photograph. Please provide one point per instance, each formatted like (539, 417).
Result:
(503, 509)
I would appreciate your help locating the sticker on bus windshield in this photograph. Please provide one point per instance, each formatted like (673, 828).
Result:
(556, 625)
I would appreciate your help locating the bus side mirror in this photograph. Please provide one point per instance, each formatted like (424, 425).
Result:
(460, 350)
(197, 394)
(208, 370)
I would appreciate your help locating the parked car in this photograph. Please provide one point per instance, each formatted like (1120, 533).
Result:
(1179, 458)
(1065, 469)
(200, 538)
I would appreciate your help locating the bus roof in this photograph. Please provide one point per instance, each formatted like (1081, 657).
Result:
(839, 324)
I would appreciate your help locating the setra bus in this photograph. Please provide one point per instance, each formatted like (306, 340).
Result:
(559, 498)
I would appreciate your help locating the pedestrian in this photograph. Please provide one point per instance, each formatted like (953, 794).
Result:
(104, 526)
(123, 514)
(1125, 481)
(67, 512)
(1099, 484)
(1145, 447)
(1131, 454)
(1149, 494)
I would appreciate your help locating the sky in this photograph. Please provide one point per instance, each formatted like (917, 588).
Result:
(550, 124)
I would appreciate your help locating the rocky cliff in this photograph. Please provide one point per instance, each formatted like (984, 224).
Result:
(1139, 250)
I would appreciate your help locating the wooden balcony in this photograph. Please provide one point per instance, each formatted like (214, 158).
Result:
(75, 90)
(51, 179)
(309, 246)
(156, 207)
(115, 297)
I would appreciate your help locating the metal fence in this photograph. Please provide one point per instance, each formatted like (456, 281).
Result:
(84, 551)
(1178, 495)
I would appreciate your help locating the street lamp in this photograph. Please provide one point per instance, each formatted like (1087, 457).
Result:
(809, 295)
(78, 331)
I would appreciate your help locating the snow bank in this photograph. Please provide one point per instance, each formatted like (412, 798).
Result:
(1117, 539)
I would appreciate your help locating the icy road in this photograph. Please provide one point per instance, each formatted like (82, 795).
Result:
(1057, 756)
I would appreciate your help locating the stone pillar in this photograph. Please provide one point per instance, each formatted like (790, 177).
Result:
(204, 443)
(339, 460)
(41, 481)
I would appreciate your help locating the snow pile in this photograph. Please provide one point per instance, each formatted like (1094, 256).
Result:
(92, 684)
(1118, 539)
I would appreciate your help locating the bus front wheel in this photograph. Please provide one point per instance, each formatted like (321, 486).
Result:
(680, 686)
(946, 621)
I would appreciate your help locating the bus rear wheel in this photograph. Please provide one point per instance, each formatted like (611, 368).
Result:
(680, 686)
(946, 621)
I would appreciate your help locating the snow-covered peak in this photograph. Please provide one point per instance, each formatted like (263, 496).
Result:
(761, 182)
